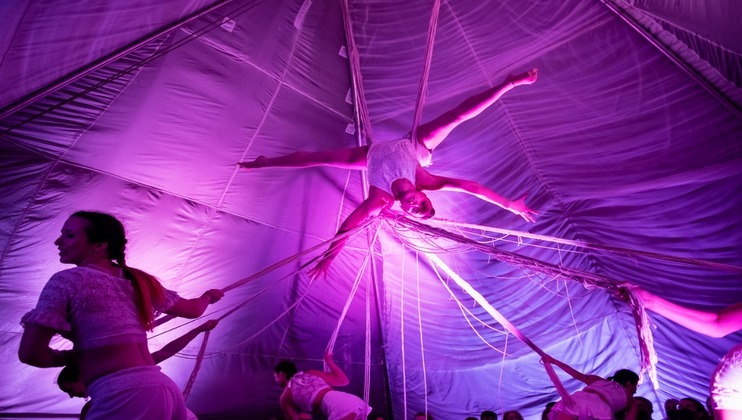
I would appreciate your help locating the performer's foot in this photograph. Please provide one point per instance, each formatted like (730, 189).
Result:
(526, 78)
(259, 162)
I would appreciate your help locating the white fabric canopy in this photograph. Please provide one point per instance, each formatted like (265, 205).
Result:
(630, 138)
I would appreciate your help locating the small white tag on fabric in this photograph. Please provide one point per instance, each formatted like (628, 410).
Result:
(228, 24)
(343, 52)
(350, 129)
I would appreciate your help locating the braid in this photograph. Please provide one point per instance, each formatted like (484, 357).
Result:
(104, 228)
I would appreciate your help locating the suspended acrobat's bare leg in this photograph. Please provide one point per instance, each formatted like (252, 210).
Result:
(432, 133)
(350, 158)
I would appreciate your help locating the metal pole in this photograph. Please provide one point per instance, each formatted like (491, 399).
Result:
(717, 91)
(103, 61)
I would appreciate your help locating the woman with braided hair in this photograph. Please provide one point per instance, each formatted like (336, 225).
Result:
(105, 308)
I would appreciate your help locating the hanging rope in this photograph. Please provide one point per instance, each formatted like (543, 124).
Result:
(643, 329)
(422, 91)
(588, 245)
(420, 329)
(202, 350)
(648, 356)
(367, 340)
(589, 279)
(401, 331)
(287, 260)
(234, 307)
(356, 283)
(435, 261)
(367, 349)
(197, 368)
(359, 97)
(265, 271)
(364, 136)
(465, 311)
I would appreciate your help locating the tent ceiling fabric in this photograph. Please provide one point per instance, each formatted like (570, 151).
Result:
(615, 144)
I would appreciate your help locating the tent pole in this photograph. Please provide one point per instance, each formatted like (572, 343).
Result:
(726, 96)
(103, 61)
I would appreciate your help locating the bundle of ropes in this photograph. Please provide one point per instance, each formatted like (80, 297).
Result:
(426, 236)
(424, 233)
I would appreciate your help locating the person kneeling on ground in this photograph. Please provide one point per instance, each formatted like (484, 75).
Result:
(313, 391)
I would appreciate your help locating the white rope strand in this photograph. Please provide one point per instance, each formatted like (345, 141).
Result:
(420, 329)
(422, 91)
(356, 283)
(197, 367)
(367, 352)
(401, 330)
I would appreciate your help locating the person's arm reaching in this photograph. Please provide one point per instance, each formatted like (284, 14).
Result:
(377, 200)
(194, 308)
(714, 324)
(173, 347)
(435, 182)
(584, 378)
(335, 377)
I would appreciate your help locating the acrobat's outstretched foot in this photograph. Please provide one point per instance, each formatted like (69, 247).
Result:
(526, 78)
(259, 162)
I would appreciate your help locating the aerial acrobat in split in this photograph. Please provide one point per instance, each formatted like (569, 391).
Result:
(395, 168)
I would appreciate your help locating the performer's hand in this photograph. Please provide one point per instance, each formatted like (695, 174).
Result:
(214, 295)
(259, 162)
(208, 325)
(519, 207)
(328, 357)
(320, 269)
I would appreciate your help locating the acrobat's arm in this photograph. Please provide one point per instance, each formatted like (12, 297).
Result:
(434, 182)
(371, 207)
(713, 324)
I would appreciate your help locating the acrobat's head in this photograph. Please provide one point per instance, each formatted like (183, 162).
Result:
(417, 204)
(283, 372)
